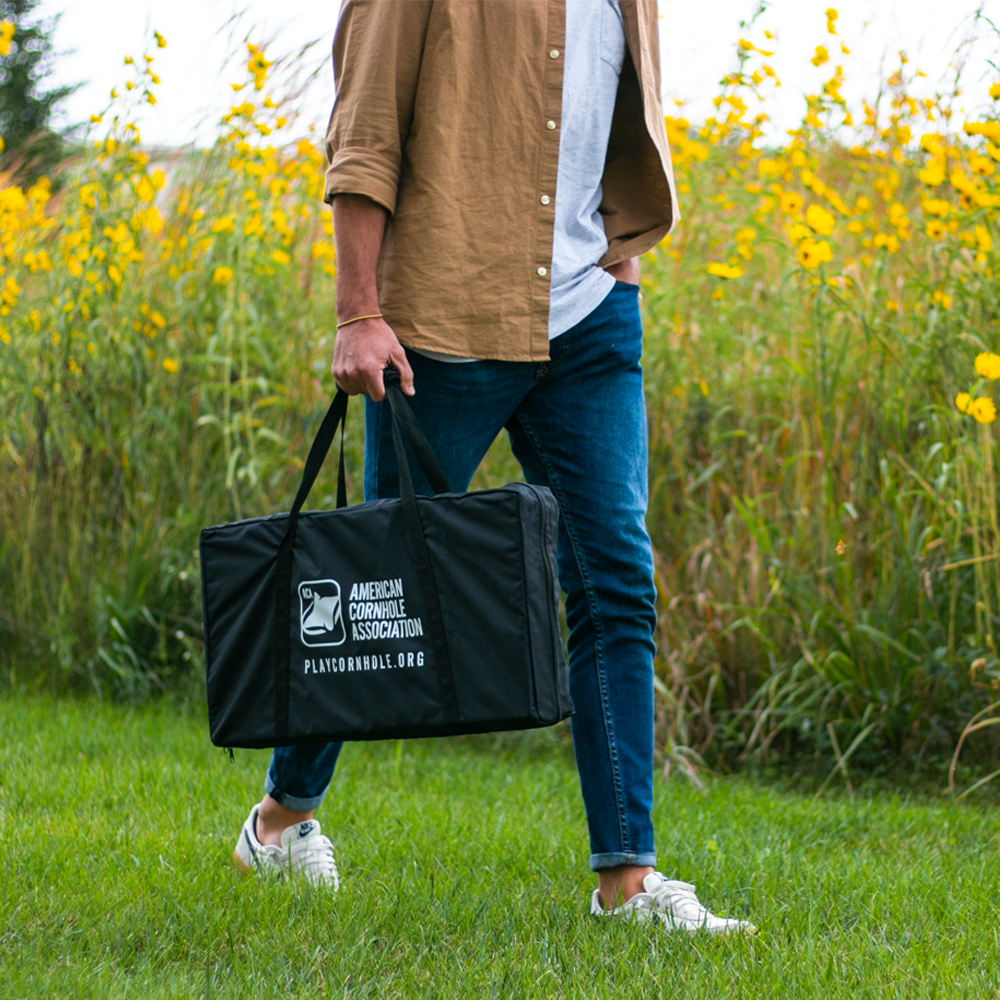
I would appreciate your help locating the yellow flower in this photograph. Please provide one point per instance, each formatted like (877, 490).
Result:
(144, 189)
(222, 275)
(169, 365)
(812, 253)
(224, 224)
(161, 42)
(798, 233)
(280, 257)
(933, 174)
(981, 166)
(791, 203)
(6, 34)
(821, 56)
(962, 401)
(820, 219)
(152, 220)
(935, 206)
(935, 229)
(984, 410)
(96, 119)
(988, 365)
(724, 270)
(890, 243)
(995, 91)
(984, 241)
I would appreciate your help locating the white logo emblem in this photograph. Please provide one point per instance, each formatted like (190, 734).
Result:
(321, 614)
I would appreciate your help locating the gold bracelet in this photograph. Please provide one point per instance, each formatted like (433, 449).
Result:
(358, 319)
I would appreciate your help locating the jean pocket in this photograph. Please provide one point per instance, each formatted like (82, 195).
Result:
(612, 35)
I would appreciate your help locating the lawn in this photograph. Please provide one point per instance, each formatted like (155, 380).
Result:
(463, 869)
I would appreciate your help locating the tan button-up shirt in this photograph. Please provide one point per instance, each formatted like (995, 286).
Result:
(447, 114)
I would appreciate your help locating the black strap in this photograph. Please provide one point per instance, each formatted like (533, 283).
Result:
(418, 549)
(412, 431)
(336, 414)
(404, 424)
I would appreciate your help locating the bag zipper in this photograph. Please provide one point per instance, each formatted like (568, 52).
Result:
(543, 523)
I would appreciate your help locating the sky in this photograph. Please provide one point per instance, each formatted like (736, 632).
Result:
(698, 46)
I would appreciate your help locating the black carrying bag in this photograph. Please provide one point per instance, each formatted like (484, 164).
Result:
(393, 619)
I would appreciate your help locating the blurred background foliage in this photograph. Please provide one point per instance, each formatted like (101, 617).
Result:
(823, 500)
(29, 146)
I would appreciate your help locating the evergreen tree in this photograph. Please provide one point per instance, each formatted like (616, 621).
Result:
(26, 58)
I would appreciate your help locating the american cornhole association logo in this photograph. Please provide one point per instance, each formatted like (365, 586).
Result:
(321, 613)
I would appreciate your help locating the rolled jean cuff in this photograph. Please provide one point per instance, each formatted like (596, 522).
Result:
(290, 802)
(599, 861)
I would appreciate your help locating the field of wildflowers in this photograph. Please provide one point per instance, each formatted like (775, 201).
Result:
(820, 364)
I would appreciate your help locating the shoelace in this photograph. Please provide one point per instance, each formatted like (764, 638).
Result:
(678, 900)
(315, 855)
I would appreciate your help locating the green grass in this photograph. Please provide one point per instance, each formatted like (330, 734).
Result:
(464, 875)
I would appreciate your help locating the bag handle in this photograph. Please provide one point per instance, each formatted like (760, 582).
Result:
(404, 424)
(404, 417)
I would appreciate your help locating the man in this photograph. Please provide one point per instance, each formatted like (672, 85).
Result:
(495, 169)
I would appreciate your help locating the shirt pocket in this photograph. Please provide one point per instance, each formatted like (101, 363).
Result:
(612, 35)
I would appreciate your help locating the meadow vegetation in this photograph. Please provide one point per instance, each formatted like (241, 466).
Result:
(464, 874)
(819, 359)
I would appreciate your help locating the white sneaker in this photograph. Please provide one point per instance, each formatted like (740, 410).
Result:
(304, 850)
(672, 903)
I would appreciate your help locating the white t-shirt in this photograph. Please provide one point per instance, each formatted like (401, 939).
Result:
(594, 53)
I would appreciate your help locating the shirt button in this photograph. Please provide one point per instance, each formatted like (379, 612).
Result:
(550, 125)
(544, 199)
(542, 272)
(554, 54)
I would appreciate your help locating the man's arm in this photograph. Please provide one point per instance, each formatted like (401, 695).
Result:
(362, 350)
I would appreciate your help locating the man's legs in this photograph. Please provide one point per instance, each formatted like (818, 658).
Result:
(295, 785)
(461, 408)
(582, 432)
(577, 424)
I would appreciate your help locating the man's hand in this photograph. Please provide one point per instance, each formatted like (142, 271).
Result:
(360, 354)
(626, 270)
(362, 349)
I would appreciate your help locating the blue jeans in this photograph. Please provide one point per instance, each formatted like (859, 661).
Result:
(577, 424)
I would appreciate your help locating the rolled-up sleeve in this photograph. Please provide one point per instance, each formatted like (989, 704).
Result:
(376, 64)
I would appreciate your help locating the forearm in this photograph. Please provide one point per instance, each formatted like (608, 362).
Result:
(358, 226)
(363, 348)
